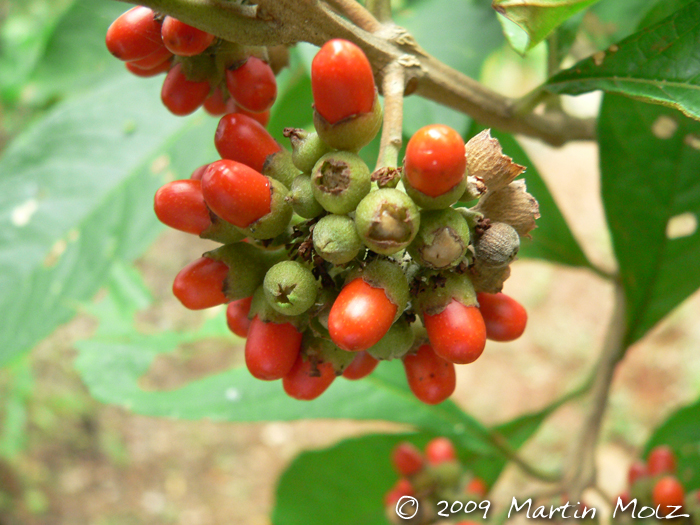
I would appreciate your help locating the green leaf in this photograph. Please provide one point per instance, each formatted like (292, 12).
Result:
(76, 194)
(539, 17)
(658, 65)
(681, 432)
(610, 22)
(552, 240)
(649, 159)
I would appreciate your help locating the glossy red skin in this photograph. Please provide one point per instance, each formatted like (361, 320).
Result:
(431, 378)
(199, 172)
(301, 382)
(661, 460)
(458, 333)
(362, 366)
(440, 450)
(182, 39)
(407, 459)
(341, 81)
(252, 85)
(199, 285)
(271, 349)
(180, 205)
(215, 104)
(236, 193)
(237, 316)
(146, 73)
(477, 486)
(134, 35)
(668, 492)
(360, 316)
(402, 488)
(504, 317)
(154, 60)
(243, 139)
(181, 96)
(435, 161)
(263, 118)
(637, 470)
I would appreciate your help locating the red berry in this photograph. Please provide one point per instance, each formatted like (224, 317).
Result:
(342, 81)
(435, 161)
(154, 60)
(134, 35)
(215, 104)
(668, 492)
(180, 205)
(182, 96)
(362, 366)
(302, 381)
(477, 486)
(458, 333)
(182, 39)
(243, 139)
(145, 73)
(430, 377)
(252, 85)
(199, 172)
(360, 316)
(637, 470)
(237, 316)
(271, 349)
(407, 459)
(200, 284)
(263, 118)
(402, 488)
(504, 317)
(661, 460)
(236, 193)
(440, 450)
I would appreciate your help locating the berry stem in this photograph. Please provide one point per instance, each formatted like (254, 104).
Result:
(393, 85)
(357, 14)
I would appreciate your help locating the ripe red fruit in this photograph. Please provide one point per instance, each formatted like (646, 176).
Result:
(243, 139)
(504, 317)
(435, 161)
(341, 81)
(302, 382)
(215, 104)
(668, 493)
(458, 333)
(134, 35)
(263, 118)
(430, 377)
(661, 460)
(154, 60)
(145, 73)
(637, 470)
(440, 450)
(236, 193)
(182, 96)
(407, 459)
(180, 205)
(360, 316)
(477, 486)
(271, 349)
(237, 316)
(252, 85)
(198, 173)
(402, 488)
(182, 39)
(200, 284)
(362, 366)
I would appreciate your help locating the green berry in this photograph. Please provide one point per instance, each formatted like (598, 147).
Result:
(290, 288)
(275, 222)
(340, 180)
(301, 197)
(387, 221)
(442, 239)
(336, 240)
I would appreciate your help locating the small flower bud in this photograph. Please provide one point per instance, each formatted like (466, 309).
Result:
(387, 221)
(442, 239)
(290, 288)
(274, 223)
(497, 246)
(301, 197)
(340, 180)
(336, 240)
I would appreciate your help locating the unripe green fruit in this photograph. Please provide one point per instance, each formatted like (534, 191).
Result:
(261, 307)
(301, 197)
(436, 296)
(497, 246)
(290, 288)
(387, 221)
(307, 148)
(340, 180)
(279, 166)
(247, 267)
(396, 343)
(442, 239)
(324, 351)
(275, 222)
(388, 275)
(221, 231)
(336, 240)
(352, 133)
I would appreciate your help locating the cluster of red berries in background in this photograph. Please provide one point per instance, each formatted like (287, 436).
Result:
(654, 483)
(431, 476)
(326, 267)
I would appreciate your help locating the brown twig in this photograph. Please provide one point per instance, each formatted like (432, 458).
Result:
(393, 85)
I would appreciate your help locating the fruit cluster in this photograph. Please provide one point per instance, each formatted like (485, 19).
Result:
(201, 70)
(654, 483)
(433, 476)
(326, 266)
